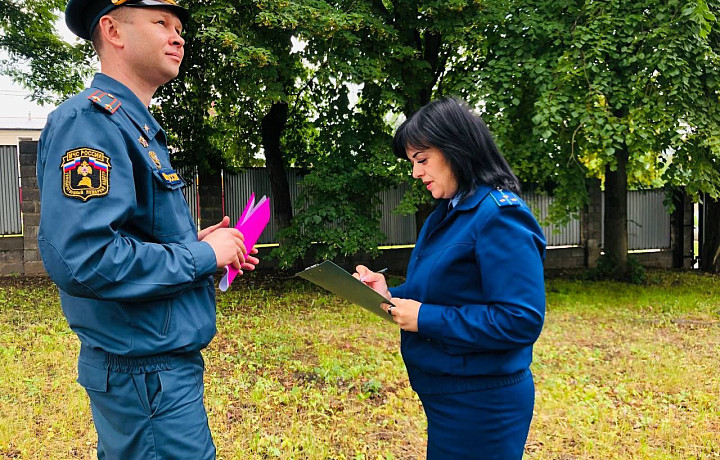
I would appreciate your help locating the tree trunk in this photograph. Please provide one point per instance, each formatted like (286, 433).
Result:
(419, 84)
(615, 219)
(272, 126)
(710, 244)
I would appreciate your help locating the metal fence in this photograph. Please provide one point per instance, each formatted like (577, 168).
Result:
(238, 188)
(399, 229)
(648, 222)
(555, 235)
(190, 191)
(10, 216)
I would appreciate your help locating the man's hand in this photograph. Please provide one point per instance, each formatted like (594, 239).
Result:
(227, 244)
(206, 231)
(250, 261)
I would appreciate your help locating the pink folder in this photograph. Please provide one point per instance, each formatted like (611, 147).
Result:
(251, 224)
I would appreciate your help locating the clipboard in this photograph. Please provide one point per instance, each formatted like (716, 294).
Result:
(330, 276)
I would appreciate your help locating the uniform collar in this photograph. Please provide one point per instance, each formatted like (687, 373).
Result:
(454, 200)
(133, 107)
(474, 198)
(440, 217)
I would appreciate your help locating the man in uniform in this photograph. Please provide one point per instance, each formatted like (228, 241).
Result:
(117, 237)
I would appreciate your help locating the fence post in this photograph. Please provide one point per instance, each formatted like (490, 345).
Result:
(32, 264)
(682, 231)
(688, 233)
(591, 224)
(211, 202)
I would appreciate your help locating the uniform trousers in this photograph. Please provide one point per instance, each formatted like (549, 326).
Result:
(150, 408)
(491, 424)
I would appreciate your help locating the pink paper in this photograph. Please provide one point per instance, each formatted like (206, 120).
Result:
(251, 224)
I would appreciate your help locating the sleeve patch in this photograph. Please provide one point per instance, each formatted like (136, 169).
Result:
(505, 198)
(85, 174)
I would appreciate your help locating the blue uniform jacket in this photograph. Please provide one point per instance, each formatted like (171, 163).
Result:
(478, 273)
(116, 234)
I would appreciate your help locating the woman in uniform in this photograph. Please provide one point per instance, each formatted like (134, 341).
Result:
(473, 301)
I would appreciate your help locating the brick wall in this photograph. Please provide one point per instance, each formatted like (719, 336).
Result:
(32, 264)
(11, 255)
(19, 255)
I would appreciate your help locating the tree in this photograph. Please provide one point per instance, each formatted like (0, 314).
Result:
(420, 61)
(399, 53)
(251, 92)
(623, 91)
(37, 57)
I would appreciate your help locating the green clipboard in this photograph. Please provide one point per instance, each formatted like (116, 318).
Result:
(330, 276)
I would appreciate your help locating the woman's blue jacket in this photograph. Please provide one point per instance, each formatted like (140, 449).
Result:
(478, 272)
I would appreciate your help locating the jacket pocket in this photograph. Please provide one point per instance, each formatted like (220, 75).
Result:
(92, 378)
(423, 354)
(171, 214)
(152, 320)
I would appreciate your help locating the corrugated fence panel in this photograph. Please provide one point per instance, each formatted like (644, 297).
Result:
(10, 218)
(239, 187)
(399, 229)
(566, 235)
(189, 174)
(648, 220)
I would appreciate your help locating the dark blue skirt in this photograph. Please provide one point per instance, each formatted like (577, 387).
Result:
(488, 424)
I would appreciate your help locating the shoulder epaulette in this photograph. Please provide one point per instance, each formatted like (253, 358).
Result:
(105, 100)
(505, 198)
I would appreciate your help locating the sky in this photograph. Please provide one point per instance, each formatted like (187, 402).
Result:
(14, 102)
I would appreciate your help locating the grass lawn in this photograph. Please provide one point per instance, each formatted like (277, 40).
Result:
(622, 372)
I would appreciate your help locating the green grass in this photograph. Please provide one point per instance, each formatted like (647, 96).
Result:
(622, 372)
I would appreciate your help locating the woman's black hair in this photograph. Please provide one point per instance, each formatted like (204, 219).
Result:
(449, 125)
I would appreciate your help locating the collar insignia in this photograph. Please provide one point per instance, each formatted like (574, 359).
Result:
(155, 159)
(143, 141)
(146, 128)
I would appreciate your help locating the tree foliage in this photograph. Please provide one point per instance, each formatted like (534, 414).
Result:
(268, 83)
(576, 89)
(37, 57)
(572, 89)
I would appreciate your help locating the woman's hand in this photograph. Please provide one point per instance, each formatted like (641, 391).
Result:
(375, 280)
(405, 313)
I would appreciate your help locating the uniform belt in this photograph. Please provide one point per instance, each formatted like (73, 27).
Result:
(141, 364)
